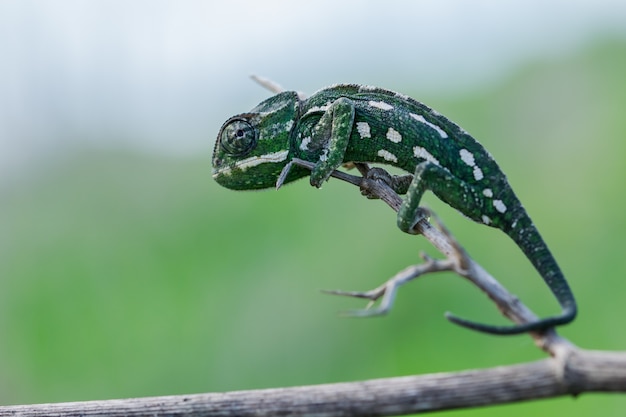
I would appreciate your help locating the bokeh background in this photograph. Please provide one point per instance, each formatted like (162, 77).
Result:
(126, 271)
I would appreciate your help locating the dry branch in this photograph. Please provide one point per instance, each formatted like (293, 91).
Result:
(582, 371)
(569, 370)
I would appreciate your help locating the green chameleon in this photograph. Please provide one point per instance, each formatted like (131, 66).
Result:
(353, 123)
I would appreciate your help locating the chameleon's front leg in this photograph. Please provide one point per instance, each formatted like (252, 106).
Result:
(332, 134)
(450, 189)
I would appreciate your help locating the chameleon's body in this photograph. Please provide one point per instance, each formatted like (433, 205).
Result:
(351, 123)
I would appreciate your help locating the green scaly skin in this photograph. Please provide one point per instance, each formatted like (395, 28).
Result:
(352, 123)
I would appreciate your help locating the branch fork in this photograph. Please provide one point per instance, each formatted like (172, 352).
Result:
(389, 288)
(456, 260)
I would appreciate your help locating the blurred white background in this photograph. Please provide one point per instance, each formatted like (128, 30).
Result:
(161, 76)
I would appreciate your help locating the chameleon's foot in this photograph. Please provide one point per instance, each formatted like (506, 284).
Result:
(398, 183)
(319, 175)
(419, 214)
(376, 174)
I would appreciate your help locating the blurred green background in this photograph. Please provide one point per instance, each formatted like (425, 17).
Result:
(126, 271)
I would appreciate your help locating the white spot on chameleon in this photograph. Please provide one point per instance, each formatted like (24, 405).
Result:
(367, 88)
(253, 161)
(324, 155)
(499, 205)
(478, 173)
(487, 192)
(421, 119)
(422, 153)
(467, 157)
(304, 146)
(364, 130)
(394, 135)
(387, 156)
(486, 219)
(380, 105)
(317, 109)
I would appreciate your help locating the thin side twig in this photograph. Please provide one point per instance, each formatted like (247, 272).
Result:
(389, 288)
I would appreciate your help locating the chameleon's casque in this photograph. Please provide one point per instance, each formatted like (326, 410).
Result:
(352, 123)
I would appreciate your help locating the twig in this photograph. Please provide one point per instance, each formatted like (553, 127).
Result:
(389, 288)
(267, 84)
(272, 86)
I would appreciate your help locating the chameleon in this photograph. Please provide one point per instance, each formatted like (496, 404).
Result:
(348, 123)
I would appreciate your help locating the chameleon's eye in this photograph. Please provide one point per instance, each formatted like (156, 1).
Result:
(238, 137)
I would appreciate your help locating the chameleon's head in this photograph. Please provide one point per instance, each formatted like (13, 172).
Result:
(253, 148)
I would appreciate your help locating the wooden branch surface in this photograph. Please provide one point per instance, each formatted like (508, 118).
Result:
(582, 371)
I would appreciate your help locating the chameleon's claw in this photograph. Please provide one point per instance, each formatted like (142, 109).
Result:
(316, 182)
(319, 174)
(376, 174)
(398, 183)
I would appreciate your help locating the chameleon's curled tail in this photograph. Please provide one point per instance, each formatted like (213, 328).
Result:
(530, 241)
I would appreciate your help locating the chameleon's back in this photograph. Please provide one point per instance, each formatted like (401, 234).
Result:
(391, 128)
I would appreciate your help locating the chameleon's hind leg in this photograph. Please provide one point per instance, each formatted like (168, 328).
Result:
(454, 191)
(398, 183)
